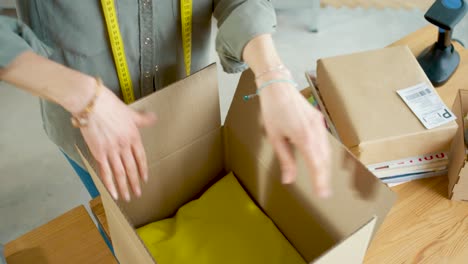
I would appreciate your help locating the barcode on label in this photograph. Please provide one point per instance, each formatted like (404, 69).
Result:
(426, 104)
(418, 94)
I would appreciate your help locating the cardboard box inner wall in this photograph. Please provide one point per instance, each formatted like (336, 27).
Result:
(359, 92)
(188, 149)
(458, 172)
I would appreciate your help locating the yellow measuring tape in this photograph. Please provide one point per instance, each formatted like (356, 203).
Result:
(118, 50)
(186, 15)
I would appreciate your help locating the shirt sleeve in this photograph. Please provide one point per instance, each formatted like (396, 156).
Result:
(239, 21)
(16, 38)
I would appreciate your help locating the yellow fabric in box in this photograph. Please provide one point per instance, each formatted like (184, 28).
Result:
(223, 226)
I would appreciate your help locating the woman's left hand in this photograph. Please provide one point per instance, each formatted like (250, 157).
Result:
(291, 121)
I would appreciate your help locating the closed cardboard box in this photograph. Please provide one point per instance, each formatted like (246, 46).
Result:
(360, 94)
(458, 172)
(189, 148)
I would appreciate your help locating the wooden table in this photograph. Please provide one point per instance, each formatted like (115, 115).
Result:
(98, 211)
(423, 226)
(70, 238)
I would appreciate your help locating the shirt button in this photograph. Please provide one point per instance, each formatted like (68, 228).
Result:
(156, 68)
(147, 74)
(147, 40)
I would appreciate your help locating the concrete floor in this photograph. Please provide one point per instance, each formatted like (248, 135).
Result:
(36, 182)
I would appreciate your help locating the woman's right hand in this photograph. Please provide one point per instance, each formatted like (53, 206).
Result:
(112, 131)
(112, 135)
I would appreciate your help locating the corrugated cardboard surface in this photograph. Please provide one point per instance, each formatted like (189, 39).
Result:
(358, 195)
(184, 151)
(359, 91)
(458, 171)
(184, 148)
(352, 247)
(187, 152)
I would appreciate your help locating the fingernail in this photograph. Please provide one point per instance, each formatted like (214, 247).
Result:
(145, 178)
(287, 178)
(127, 197)
(325, 193)
(138, 192)
(114, 195)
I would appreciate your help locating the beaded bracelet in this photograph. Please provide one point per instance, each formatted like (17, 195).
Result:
(266, 84)
(82, 119)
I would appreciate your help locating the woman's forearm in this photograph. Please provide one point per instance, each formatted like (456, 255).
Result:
(260, 54)
(50, 80)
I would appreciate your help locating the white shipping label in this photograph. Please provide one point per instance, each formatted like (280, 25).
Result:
(426, 104)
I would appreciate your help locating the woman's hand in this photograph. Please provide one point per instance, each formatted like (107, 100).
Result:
(290, 121)
(112, 135)
(112, 131)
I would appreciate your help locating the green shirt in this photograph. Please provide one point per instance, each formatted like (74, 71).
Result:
(73, 32)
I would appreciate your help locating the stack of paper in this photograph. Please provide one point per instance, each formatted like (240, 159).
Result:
(412, 168)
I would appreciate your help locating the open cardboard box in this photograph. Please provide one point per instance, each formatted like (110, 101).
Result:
(188, 148)
(458, 172)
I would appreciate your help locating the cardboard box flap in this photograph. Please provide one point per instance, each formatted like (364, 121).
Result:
(359, 91)
(187, 110)
(184, 151)
(188, 126)
(459, 192)
(352, 249)
(189, 122)
(457, 171)
(177, 179)
(358, 194)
